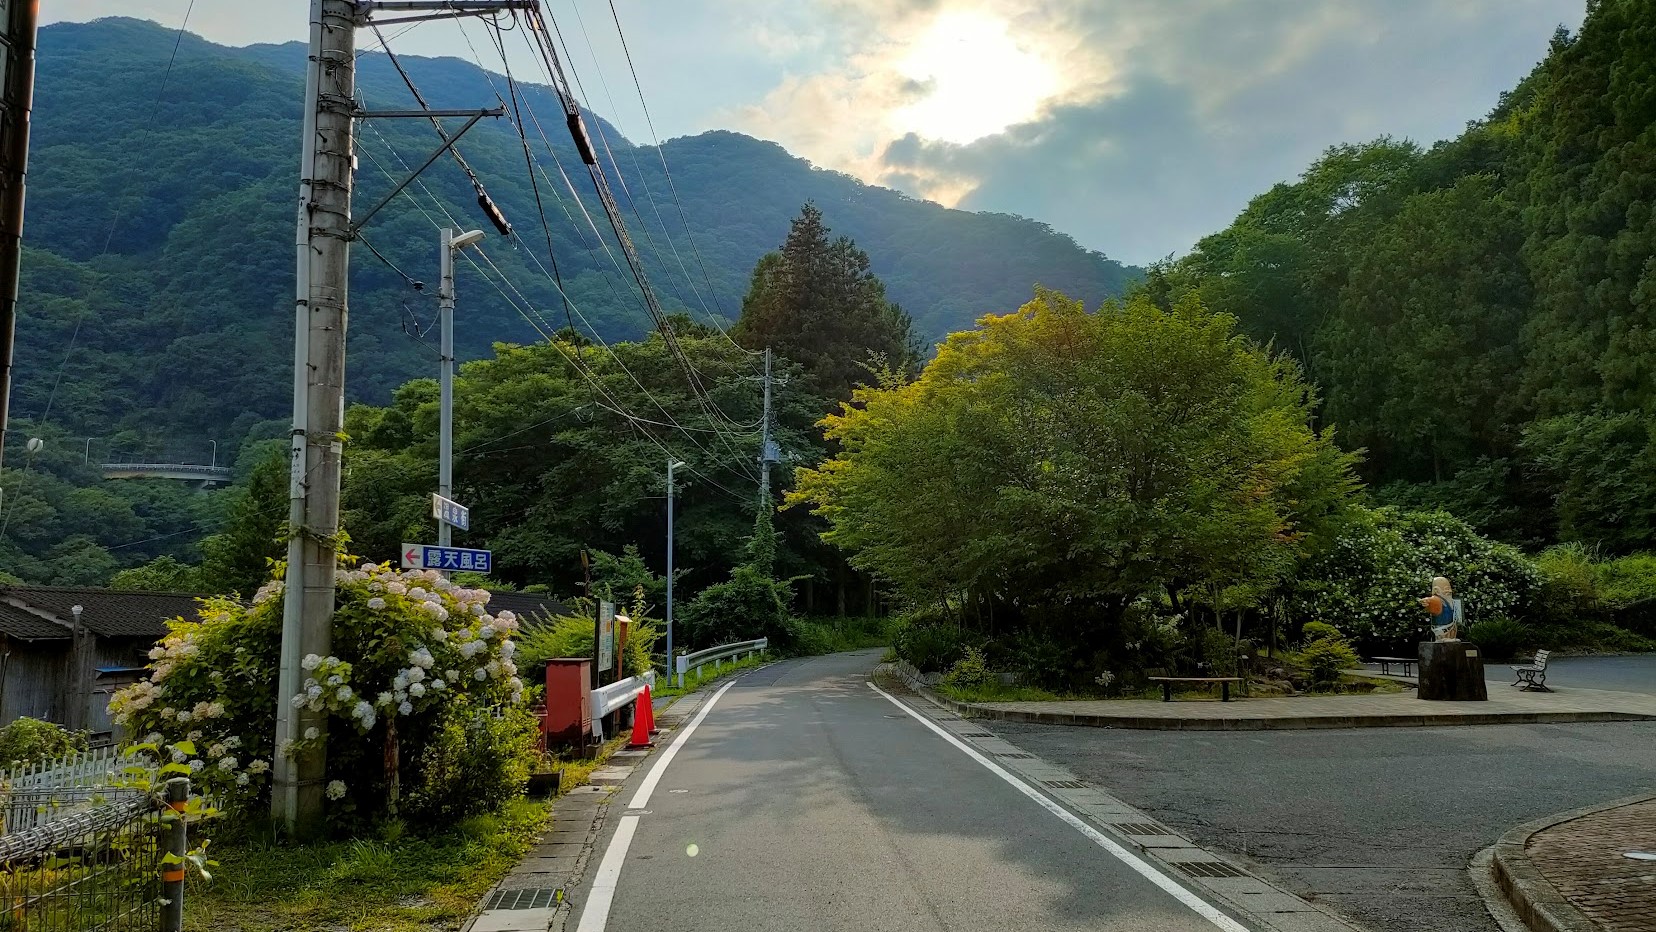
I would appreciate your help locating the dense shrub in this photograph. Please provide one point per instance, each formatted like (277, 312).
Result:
(27, 740)
(571, 636)
(1371, 578)
(1324, 659)
(970, 671)
(419, 667)
(930, 648)
(1318, 630)
(1500, 638)
(748, 605)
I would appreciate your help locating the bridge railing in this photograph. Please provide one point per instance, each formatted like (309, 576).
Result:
(717, 656)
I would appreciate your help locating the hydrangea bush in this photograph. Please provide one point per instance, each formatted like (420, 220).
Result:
(421, 673)
(1368, 583)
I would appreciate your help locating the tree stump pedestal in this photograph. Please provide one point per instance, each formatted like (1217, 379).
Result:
(1452, 670)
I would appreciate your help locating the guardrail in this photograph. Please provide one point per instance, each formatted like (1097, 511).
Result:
(717, 655)
(607, 699)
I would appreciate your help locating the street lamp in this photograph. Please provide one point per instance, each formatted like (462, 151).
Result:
(671, 465)
(451, 245)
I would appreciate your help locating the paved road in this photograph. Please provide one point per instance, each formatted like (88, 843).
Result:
(1378, 823)
(1635, 673)
(815, 804)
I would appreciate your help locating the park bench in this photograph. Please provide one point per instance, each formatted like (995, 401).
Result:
(1407, 663)
(1534, 675)
(1168, 681)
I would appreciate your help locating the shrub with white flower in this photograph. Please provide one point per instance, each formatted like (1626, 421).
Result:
(409, 671)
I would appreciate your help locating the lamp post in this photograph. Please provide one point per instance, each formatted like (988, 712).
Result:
(671, 465)
(451, 245)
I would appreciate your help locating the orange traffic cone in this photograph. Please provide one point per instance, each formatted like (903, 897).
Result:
(641, 723)
(649, 711)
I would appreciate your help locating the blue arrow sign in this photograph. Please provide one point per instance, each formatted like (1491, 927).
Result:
(428, 557)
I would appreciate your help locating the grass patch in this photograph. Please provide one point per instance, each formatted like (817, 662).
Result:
(395, 883)
(577, 770)
(1000, 692)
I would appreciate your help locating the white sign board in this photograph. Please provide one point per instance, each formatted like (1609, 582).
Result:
(606, 635)
(451, 513)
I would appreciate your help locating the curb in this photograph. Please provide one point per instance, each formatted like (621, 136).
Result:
(1537, 902)
(1303, 723)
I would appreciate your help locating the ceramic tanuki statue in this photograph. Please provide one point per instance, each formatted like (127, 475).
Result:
(1444, 610)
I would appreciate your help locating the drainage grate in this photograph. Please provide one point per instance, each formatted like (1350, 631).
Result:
(1211, 869)
(1065, 784)
(1139, 828)
(524, 899)
(976, 734)
(1014, 755)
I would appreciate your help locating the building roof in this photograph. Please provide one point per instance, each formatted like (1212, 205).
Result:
(115, 613)
(24, 625)
(528, 604)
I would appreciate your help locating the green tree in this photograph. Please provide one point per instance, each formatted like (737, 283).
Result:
(162, 574)
(237, 558)
(816, 302)
(1052, 466)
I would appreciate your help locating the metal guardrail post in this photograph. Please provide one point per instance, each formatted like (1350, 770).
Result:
(679, 665)
(177, 845)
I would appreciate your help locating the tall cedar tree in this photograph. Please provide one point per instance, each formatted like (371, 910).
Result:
(817, 303)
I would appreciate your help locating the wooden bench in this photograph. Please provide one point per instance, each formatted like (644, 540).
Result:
(1168, 681)
(1407, 663)
(1533, 676)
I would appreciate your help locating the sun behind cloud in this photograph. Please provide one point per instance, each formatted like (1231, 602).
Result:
(972, 79)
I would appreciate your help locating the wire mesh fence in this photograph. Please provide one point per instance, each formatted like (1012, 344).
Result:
(94, 869)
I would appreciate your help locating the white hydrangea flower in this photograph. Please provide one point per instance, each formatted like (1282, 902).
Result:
(453, 675)
(438, 685)
(258, 766)
(439, 635)
(311, 733)
(383, 698)
(228, 764)
(480, 674)
(313, 692)
(417, 690)
(415, 674)
(311, 662)
(486, 632)
(335, 680)
(184, 715)
(417, 593)
(198, 765)
(406, 708)
(336, 789)
(344, 694)
(376, 603)
(242, 779)
(156, 653)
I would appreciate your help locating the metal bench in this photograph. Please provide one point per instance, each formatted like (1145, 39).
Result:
(1533, 676)
(1407, 663)
(1168, 681)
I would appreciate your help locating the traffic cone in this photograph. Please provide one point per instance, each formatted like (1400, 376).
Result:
(649, 711)
(641, 723)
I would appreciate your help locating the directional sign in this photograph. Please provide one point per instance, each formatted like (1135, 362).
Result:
(451, 513)
(428, 557)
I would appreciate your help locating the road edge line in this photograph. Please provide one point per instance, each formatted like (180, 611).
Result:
(1144, 868)
(595, 912)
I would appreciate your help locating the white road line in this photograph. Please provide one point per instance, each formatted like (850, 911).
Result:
(595, 915)
(1200, 906)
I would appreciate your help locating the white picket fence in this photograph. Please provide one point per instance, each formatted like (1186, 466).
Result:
(37, 793)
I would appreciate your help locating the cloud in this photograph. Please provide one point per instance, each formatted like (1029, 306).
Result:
(1163, 116)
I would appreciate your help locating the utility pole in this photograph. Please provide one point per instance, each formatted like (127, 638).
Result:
(323, 265)
(322, 247)
(449, 247)
(16, 100)
(672, 665)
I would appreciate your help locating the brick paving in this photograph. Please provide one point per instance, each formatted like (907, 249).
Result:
(1583, 860)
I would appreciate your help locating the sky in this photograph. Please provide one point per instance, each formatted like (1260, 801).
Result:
(1136, 126)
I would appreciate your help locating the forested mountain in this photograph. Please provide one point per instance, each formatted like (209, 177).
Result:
(1479, 315)
(160, 233)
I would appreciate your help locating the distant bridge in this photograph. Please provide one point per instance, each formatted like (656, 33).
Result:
(188, 472)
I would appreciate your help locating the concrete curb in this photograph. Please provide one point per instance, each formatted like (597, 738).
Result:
(1155, 723)
(1530, 894)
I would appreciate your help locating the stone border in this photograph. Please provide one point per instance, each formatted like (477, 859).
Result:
(1537, 901)
(910, 676)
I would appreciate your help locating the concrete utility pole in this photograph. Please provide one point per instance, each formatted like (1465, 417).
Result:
(320, 315)
(765, 441)
(322, 246)
(16, 100)
(450, 246)
(672, 665)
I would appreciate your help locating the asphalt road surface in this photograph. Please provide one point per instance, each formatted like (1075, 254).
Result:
(1634, 673)
(804, 800)
(1377, 823)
